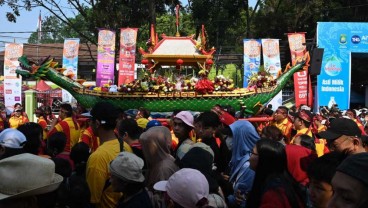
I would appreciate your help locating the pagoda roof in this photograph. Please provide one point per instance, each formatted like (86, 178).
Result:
(169, 49)
(176, 46)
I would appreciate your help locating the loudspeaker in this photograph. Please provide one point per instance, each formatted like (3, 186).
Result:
(316, 61)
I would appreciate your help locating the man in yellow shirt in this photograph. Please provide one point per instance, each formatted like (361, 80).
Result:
(282, 122)
(103, 122)
(302, 123)
(68, 125)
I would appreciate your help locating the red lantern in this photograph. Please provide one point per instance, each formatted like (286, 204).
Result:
(144, 61)
(179, 62)
(209, 62)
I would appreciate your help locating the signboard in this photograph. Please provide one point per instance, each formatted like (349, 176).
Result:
(339, 40)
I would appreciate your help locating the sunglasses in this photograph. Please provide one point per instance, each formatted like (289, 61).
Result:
(18, 111)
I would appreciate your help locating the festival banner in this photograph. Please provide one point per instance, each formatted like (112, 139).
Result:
(340, 40)
(12, 84)
(271, 56)
(70, 57)
(105, 57)
(252, 58)
(70, 63)
(302, 84)
(128, 39)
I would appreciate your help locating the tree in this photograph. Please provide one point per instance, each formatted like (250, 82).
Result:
(91, 14)
(54, 31)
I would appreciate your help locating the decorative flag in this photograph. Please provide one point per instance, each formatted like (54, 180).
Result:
(302, 84)
(128, 39)
(252, 59)
(70, 63)
(271, 56)
(12, 84)
(39, 27)
(105, 57)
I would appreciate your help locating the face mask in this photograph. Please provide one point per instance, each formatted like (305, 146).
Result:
(229, 143)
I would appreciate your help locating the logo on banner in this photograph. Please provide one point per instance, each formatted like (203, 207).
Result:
(128, 37)
(355, 39)
(343, 39)
(270, 48)
(296, 42)
(333, 66)
(252, 48)
(71, 49)
(13, 52)
(105, 38)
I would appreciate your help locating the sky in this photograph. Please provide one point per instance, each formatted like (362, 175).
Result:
(27, 23)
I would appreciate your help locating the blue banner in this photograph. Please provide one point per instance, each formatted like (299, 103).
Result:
(252, 59)
(339, 40)
(70, 57)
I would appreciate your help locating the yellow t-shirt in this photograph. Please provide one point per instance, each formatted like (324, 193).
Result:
(300, 132)
(72, 132)
(15, 122)
(285, 127)
(97, 174)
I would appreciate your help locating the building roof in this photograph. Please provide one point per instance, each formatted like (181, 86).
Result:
(87, 53)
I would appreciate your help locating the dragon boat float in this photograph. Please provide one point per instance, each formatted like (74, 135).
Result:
(165, 96)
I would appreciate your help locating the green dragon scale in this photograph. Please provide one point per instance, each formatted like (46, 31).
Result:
(153, 101)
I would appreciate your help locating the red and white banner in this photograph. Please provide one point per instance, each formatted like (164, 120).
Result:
(128, 40)
(302, 84)
(12, 84)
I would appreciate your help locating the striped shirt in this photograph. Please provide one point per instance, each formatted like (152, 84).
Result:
(70, 129)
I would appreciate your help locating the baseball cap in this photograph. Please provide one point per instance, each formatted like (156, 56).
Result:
(186, 187)
(339, 127)
(186, 117)
(128, 167)
(356, 167)
(12, 138)
(153, 123)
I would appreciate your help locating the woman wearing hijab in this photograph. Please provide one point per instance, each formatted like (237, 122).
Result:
(245, 137)
(156, 143)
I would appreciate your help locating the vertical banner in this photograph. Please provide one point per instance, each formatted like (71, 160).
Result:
(105, 57)
(272, 64)
(128, 39)
(252, 58)
(271, 56)
(70, 63)
(12, 84)
(302, 84)
(297, 46)
(70, 56)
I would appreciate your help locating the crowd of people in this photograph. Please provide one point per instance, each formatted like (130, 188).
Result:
(106, 158)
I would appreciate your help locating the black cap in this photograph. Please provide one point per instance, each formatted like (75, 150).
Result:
(105, 112)
(339, 127)
(356, 167)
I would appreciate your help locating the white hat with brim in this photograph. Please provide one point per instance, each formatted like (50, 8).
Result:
(27, 175)
(37, 191)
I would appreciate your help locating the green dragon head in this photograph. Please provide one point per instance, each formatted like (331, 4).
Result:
(32, 69)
